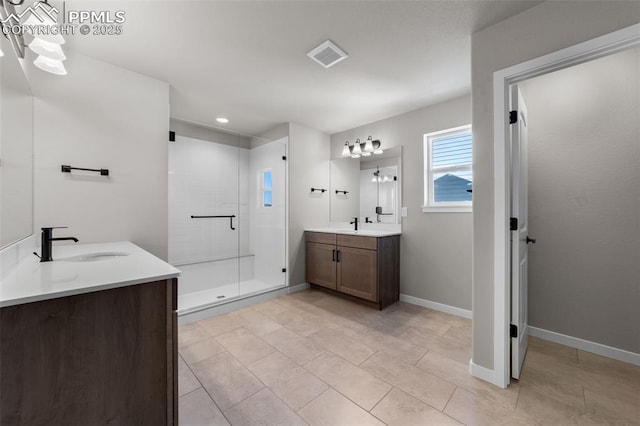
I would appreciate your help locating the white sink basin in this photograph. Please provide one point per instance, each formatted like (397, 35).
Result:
(95, 257)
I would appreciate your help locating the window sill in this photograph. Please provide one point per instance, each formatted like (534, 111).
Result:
(447, 209)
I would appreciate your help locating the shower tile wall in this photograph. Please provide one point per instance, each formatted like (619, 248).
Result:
(205, 179)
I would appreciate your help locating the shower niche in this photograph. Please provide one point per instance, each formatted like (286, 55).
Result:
(227, 223)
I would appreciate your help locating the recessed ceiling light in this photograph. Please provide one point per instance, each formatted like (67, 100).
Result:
(222, 120)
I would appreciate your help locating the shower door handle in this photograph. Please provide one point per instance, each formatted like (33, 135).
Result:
(231, 222)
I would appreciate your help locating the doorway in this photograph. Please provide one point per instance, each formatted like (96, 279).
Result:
(584, 52)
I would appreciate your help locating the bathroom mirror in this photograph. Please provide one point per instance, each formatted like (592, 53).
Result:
(367, 187)
(16, 150)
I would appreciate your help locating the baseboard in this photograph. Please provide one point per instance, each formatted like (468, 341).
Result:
(586, 345)
(481, 372)
(436, 306)
(297, 288)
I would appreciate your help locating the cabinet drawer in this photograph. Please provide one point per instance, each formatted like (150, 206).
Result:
(369, 243)
(320, 237)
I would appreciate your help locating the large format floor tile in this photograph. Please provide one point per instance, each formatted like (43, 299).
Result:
(401, 409)
(412, 380)
(313, 358)
(197, 409)
(333, 409)
(244, 345)
(290, 382)
(263, 408)
(356, 384)
(226, 380)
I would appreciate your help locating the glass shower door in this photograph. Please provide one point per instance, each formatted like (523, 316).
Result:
(204, 238)
(267, 204)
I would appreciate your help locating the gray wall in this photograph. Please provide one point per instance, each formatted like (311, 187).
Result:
(538, 31)
(435, 247)
(584, 200)
(102, 116)
(308, 167)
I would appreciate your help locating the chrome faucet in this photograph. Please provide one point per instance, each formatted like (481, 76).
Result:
(47, 239)
(355, 222)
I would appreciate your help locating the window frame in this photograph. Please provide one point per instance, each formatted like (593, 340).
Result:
(430, 205)
(264, 189)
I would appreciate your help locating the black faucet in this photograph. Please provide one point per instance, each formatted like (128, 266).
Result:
(367, 220)
(355, 221)
(47, 239)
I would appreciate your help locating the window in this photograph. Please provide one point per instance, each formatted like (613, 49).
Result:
(267, 189)
(448, 174)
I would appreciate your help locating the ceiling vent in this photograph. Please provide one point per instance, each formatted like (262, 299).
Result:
(327, 54)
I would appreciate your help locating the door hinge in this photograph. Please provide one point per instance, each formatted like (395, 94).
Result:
(513, 330)
(172, 136)
(284, 157)
(513, 117)
(284, 269)
(513, 224)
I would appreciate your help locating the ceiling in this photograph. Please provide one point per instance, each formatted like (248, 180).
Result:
(246, 60)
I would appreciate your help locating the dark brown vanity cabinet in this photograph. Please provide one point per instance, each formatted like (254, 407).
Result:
(98, 358)
(367, 268)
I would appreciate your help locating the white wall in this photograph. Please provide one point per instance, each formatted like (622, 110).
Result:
(543, 29)
(308, 167)
(435, 247)
(584, 200)
(102, 116)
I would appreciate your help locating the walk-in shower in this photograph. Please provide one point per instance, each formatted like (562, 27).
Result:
(227, 217)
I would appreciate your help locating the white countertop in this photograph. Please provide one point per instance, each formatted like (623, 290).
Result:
(32, 280)
(361, 232)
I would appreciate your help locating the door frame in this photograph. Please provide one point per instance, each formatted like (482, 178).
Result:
(583, 52)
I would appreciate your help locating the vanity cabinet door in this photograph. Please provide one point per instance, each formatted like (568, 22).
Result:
(321, 265)
(358, 272)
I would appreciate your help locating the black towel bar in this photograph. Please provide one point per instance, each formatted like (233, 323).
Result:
(67, 169)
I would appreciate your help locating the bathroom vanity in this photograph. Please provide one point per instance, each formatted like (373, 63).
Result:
(89, 338)
(361, 264)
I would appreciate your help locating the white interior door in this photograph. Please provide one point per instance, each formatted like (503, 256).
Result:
(519, 232)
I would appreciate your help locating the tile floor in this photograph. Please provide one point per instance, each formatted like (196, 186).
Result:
(312, 358)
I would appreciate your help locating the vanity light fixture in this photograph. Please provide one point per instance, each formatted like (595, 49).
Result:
(368, 145)
(346, 152)
(222, 120)
(363, 149)
(50, 65)
(46, 44)
(357, 149)
(47, 49)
